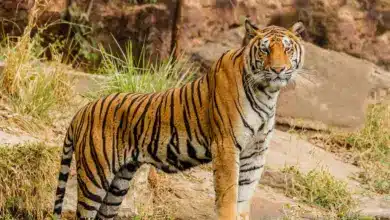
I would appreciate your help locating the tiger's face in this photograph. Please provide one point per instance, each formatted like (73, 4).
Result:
(274, 54)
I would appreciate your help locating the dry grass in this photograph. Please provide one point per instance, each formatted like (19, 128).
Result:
(25, 83)
(160, 185)
(27, 180)
(320, 188)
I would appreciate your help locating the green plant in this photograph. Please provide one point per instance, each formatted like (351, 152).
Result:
(370, 148)
(131, 74)
(320, 188)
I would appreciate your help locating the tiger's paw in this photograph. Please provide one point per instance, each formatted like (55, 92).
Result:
(243, 216)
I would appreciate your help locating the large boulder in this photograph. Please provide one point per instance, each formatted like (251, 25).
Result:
(333, 89)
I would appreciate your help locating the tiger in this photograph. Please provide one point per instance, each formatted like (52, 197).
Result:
(225, 117)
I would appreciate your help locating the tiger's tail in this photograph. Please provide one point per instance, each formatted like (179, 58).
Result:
(66, 160)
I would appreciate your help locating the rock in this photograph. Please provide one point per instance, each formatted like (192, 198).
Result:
(204, 20)
(14, 16)
(12, 140)
(115, 23)
(290, 150)
(139, 198)
(310, 101)
(84, 82)
(332, 89)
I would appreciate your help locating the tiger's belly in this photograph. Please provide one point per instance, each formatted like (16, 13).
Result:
(172, 158)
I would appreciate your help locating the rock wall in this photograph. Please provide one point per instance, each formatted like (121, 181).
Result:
(358, 27)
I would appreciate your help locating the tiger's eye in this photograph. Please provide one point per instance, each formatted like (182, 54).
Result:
(264, 50)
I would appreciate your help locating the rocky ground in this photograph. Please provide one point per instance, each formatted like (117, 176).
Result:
(190, 195)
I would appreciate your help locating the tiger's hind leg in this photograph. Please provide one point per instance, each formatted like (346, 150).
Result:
(117, 191)
(90, 196)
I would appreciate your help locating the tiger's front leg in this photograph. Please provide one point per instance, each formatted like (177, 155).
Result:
(252, 161)
(225, 167)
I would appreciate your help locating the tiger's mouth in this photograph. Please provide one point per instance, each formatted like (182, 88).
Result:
(279, 81)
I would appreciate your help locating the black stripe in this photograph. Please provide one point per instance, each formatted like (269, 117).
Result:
(253, 154)
(236, 144)
(246, 182)
(174, 138)
(237, 55)
(107, 216)
(89, 174)
(108, 203)
(60, 191)
(199, 91)
(63, 177)
(89, 195)
(186, 124)
(117, 192)
(251, 169)
(192, 153)
(171, 157)
(102, 105)
(86, 206)
(243, 119)
(135, 152)
(66, 161)
(80, 124)
(181, 92)
(249, 156)
(110, 167)
(58, 210)
(126, 130)
(249, 96)
(156, 132)
(196, 114)
(93, 151)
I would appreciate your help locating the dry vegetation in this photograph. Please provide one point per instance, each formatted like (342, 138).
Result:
(368, 148)
(27, 180)
(30, 88)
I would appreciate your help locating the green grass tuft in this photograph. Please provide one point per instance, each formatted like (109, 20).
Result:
(131, 74)
(370, 148)
(320, 188)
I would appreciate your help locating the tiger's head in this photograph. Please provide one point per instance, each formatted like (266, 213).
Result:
(273, 54)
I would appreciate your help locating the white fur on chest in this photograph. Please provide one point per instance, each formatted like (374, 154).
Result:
(261, 126)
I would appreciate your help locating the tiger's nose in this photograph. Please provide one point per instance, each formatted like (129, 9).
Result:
(278, 70)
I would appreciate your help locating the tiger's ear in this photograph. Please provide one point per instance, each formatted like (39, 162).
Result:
(250, 29)
(298, 28)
